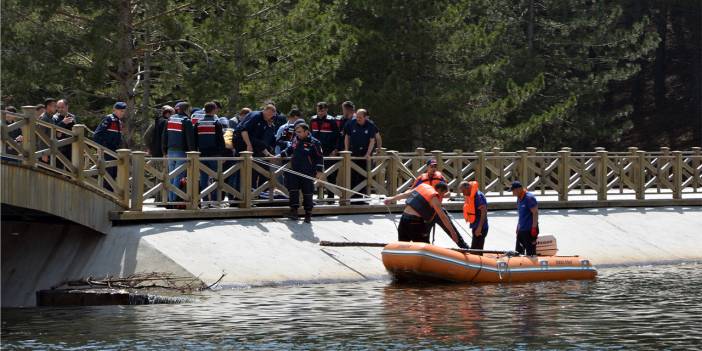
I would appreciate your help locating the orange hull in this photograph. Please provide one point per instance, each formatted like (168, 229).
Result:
(420, 261)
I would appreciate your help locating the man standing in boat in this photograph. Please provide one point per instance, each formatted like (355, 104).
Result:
(528, 224)
(423, 205)
(475, 213)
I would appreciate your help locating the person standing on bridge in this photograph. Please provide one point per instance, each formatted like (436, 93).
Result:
(210, 142)
(422, 210)
(528, 223)
(177, 138)
(475, 213)
(306, 158)
(109, 134)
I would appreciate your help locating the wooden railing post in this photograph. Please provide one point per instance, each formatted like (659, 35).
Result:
(193, 185)
(523, 168)
(677, 174)
(393, 172)
(480, 169)
(138, 162)
(602, 160)
(498, 163)
(382, 174)
(697, 153)
(78, 150)
(123, 176)
(246, 179)
(438, 156)
(531, 151)
(29, 136)
(418, 161)
(661, 173)
(345, 174)
(640, 175)
(563, 174)
(458, 166)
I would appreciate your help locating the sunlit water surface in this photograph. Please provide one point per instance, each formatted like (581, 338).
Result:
(640, 307)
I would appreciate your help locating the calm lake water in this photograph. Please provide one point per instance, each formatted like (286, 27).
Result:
(639, 307)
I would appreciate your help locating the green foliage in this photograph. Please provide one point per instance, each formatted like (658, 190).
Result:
(441, 74)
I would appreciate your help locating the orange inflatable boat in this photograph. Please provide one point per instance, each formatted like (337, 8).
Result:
(419, 261)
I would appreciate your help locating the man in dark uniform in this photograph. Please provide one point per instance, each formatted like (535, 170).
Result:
(258, 133)
(109, 134)
(359, 138)
(528, 223)
(210, 142)
(177, 138)
(348, 112)
(325, 129)
(306, 158)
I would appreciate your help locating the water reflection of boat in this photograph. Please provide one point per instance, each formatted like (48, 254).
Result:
(420, 261)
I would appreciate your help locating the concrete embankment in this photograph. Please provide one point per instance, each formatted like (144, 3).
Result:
(274, 251)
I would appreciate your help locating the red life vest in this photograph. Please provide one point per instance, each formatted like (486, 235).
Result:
(469, 202)
(420, 201)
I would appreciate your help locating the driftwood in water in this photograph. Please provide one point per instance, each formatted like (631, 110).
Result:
(157, 280)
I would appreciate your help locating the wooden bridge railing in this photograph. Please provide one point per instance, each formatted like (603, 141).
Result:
(133, 180)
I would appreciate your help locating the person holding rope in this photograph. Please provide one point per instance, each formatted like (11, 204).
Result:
(475, 213)
(306, 158)
(423, 209)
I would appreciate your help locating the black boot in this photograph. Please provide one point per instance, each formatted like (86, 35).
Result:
(308, 217)
(293, 214)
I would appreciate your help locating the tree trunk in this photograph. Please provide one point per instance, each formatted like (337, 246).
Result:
(125, 68)
(234, 94)
(530, 28)
(660, 65)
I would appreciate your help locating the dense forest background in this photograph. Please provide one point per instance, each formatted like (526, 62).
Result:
(442, 74)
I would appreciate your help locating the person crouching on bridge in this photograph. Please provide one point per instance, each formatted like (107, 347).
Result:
(306, 158)
(423, 209)
(475, 213)
(528, 224)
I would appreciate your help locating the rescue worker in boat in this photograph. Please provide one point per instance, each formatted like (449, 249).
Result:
(432, 175)
(423, 209)
(475, 213)
(528, 223)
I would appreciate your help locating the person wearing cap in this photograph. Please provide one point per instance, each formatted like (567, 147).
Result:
(153, 134)
(209, 139)
(305, 153)
(475, 213)
(325, 129)
(431, 176)
(177, 138)
(286, 132)
(109, 134)
(528, 223)
(422, 210)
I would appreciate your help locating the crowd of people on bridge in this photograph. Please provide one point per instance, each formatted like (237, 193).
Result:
(268, 133)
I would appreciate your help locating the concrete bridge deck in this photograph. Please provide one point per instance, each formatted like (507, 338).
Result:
(273, 251)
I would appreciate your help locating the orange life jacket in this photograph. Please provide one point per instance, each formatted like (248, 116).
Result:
(432, 179)
(420, 201)
(469, 202)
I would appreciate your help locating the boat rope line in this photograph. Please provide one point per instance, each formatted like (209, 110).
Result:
(314, 179)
